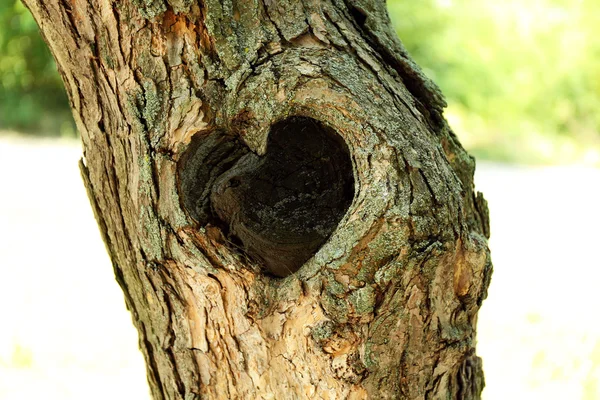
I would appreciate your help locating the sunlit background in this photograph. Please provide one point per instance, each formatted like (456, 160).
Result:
(522, 80)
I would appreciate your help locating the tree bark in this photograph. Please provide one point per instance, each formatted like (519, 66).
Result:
(286, 209)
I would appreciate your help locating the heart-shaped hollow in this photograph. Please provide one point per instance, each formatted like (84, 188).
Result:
(281, 207)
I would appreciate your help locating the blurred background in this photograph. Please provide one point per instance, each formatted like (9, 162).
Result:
(522, 80)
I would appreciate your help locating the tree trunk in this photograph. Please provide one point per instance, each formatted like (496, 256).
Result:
(286, 209)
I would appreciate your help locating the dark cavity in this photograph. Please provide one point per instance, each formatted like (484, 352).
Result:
(279, 208)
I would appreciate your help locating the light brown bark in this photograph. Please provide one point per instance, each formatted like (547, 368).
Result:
(384, 294)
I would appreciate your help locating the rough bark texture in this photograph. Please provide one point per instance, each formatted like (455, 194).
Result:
(230, 298)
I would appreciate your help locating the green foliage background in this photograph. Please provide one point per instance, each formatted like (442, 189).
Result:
(32, 97)
(522, 78)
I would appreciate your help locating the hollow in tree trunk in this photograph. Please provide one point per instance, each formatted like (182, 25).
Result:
(286, 209)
